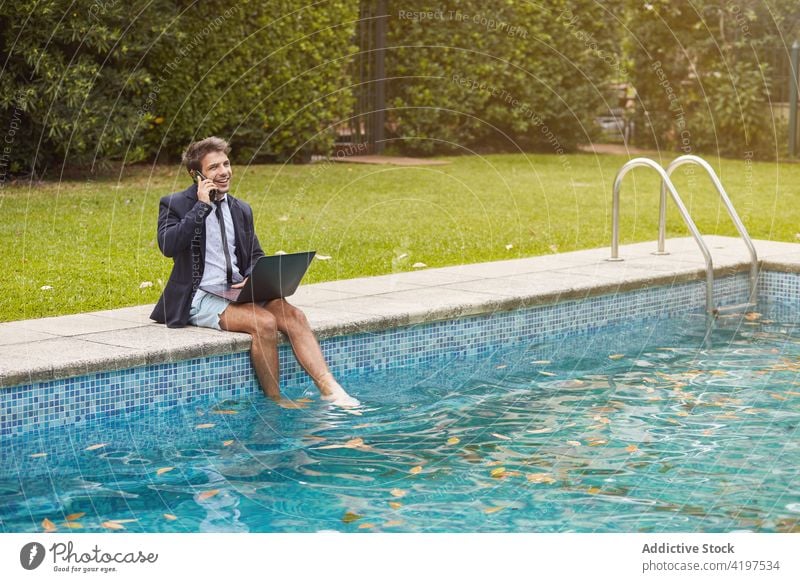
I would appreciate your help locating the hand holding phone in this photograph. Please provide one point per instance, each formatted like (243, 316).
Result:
(205, 188)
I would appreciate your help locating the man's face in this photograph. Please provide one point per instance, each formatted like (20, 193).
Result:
(217, 167)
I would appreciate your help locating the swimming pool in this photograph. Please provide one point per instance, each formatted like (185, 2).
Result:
(608, 414)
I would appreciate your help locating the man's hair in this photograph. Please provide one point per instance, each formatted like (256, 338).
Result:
(194, 154)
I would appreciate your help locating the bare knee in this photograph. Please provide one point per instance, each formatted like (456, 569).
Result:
(292, 318)
(265, 326)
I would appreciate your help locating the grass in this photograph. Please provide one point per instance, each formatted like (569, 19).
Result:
(93, 241)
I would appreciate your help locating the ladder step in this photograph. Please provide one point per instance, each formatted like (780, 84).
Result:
(739, 309)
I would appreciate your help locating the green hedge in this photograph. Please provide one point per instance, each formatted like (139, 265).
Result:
(705, 74)
(89, 80)
(500, 75)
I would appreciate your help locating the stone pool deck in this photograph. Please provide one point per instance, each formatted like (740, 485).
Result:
(60, 347)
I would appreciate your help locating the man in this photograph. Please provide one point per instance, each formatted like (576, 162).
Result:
(214, 242)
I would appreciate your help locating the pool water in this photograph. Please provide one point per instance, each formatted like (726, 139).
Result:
(645, 427)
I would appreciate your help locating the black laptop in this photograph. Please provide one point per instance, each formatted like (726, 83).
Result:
(272, 277)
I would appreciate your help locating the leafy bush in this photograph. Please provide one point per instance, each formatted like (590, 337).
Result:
(499, 76)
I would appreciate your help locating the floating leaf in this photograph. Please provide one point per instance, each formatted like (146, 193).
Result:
(540, 478)
(540, 430)
(541, 362)
(777, 396)
(170, 517)
(415, 470)
(123, 520)
(500, 436)
(163, 470)
(350, 517)
(398, 492)
(453, 441)
(597, 442)
(498, 473)
(206, 425)
(207, 494)
(616, 356)
(354, 443)
(112, 525)
(631, 448)
(227, 443)
(574, 443)
(73, 525)
(74, 516)
(494, 509)
(95, 447)
(543, 373)
(224, 412)
(38, 455)
(393, 523)
(365, 425)
(593, 490)
(366, 525)
(395, 504)
(48, 525)
(752, 316)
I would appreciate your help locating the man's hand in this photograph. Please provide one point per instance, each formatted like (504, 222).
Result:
(240, 284)
(203, 190)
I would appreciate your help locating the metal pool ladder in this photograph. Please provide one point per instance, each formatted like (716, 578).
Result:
(668, 186)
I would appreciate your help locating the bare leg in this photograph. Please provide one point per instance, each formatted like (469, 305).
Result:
(292, 321)
(262, 327)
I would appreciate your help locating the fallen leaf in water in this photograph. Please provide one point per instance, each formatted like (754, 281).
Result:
(393, 523)
(494, 509)
(540, 478)
(631, 448)
(541, 362)
(616, 356)
(170, 517)
(498, 472)
(395, 504)
(206, 425)
(38, 455)
(365, 425)
(574, 443)
(350, 517)
(415, 470)
(224, 412)
(366, 525)
(163, 470)
(73, 525)
(207, 494)
(74, 516)
(777, 396)
(398, 493)
(453, 441)
(112, 525)
(543, 373)
(597, 442)
(540, 430)
(500, 436)
(501, 366)
(48, 525)
(752, 316)
(593, 490)
(227, 443)
(95, 447)
(354, 443)
(123, 520)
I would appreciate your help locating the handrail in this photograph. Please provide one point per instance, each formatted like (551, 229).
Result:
(662, 223)
(666, 182)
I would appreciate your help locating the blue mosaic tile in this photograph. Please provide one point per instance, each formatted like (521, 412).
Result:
(81, 400)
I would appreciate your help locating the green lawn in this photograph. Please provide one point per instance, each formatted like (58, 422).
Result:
(93, 241)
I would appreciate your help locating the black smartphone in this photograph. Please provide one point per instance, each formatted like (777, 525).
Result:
(199, 177)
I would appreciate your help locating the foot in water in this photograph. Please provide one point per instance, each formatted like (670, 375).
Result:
(341, 398)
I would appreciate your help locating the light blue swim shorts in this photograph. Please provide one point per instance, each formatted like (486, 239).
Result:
(206, 309)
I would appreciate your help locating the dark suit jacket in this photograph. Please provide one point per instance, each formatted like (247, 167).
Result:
(182, 236)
